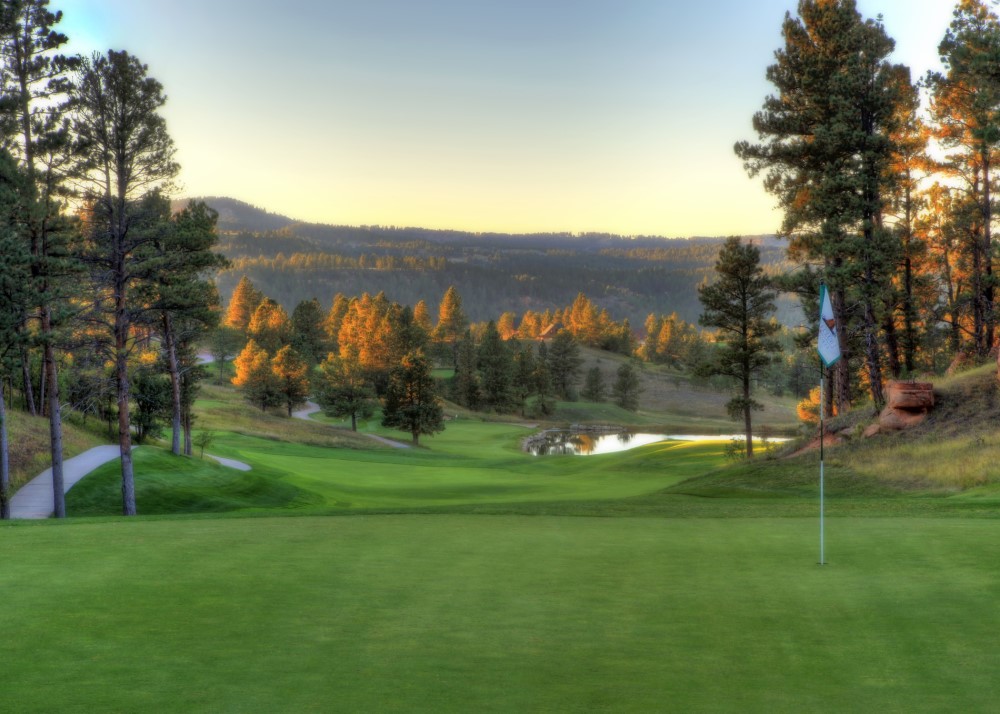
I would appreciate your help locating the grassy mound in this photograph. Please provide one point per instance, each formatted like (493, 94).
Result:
(165, 483)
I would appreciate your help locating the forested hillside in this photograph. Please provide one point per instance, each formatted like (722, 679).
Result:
(631, 277)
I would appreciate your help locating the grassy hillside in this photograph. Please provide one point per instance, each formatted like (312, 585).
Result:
(28, 439)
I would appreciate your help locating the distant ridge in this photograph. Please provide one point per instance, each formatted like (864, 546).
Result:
(237, 215)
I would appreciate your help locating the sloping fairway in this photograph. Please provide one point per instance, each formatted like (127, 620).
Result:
(470, 463)
(478, 613)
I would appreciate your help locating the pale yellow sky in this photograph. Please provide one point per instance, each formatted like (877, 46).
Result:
(484, 115)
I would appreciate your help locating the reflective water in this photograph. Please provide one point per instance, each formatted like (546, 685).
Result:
(591, 444)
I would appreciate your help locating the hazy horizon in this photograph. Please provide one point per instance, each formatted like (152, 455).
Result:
(517, 116)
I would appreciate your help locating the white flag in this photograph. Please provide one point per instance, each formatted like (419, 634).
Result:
(828, 344)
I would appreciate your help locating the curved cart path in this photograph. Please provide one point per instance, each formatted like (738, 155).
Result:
(34, 499)
(313, 407)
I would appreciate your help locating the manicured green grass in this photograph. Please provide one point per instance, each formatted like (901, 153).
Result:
(472, 463)
(473, 613)
(165, 483)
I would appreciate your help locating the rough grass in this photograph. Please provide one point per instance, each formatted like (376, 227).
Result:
(28, 441)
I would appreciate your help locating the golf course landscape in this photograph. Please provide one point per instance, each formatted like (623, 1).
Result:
(341, 574)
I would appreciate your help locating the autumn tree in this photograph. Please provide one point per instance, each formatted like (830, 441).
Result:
(291, 374)
(965, 111)
(739, 304)
(411, 403)
(127, 153)
(342, 390)
(242, 305)
(269, 326)
(255, 378)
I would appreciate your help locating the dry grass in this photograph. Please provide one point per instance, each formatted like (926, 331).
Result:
(955, 449)
(28, 439)
(221, 408)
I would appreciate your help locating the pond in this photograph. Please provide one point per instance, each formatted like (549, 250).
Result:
(589, 443)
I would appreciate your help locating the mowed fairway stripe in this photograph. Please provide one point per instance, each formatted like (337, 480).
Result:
(479, 613)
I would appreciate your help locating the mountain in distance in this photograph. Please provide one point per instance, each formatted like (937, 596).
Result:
(630, 276)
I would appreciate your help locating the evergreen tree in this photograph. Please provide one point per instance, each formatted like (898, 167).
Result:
(342, 390)
(127, 153)
(564, 362)
(465, 389)
(224, 342)
(627, 387)
(34, 86)
(334, 320)
(15, 271)
(495, 369)
(593, 385)
(740, 304)
(308, 336)
(422, 316)
(826, 148)
(411, 402)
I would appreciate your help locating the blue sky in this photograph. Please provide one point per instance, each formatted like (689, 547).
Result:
(587, 115)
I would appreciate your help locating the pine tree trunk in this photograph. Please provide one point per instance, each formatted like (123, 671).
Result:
(122, 381)
(746, 411)
(55, 428)
(891, 342)
(842, 368)
(29, 390)
(187, 433)
(4, 462)
(175, 384)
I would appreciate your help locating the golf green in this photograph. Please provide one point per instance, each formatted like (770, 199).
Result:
(502, 613)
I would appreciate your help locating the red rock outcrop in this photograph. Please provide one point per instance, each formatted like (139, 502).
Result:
(907, 405)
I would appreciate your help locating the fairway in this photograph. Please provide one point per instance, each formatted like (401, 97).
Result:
(470, 463)
(467, 613)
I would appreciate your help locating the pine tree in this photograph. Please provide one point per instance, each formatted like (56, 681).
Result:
(127, 153)
(411, 402)
(740, 304)
(465, 389)
(593, 385)
(452, 321)
(564, 362)
(343, 390)
(495, 369)
(308, 336)
(627, 387)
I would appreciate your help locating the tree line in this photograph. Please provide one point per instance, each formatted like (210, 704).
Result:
(105, 289)
(886, 186)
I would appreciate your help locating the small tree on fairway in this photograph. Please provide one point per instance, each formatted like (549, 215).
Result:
(739, 304)
(343, 390)
(411, 402)
(564, 363)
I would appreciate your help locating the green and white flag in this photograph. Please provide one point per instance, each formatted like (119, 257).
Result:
(827, 344)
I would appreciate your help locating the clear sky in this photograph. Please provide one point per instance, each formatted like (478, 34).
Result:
(483, 115)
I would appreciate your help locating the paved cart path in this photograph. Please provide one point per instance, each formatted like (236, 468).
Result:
(313, 407)
(34, 499)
